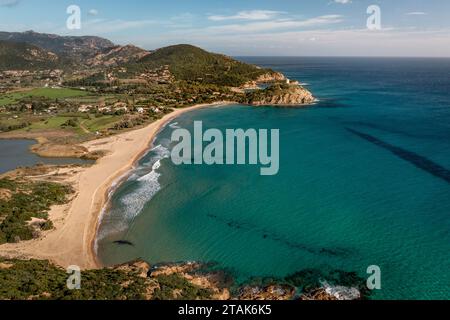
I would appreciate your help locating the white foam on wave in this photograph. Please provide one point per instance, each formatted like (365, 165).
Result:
(147, 186)
(174, 125)
(341, 292)
(133, 203)
(161, 152)
(101, 233)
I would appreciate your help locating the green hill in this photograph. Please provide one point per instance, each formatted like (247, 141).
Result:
(22, 56)
(190, 63)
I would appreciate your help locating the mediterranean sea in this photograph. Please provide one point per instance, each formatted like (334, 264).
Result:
(364, 180)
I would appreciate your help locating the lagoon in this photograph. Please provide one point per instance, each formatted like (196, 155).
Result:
(16, 153)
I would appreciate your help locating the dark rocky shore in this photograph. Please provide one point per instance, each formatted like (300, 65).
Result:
(307, 284)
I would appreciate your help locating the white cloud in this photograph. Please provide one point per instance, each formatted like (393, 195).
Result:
(103, 26)
(309, 42)
(278, 24)
(416, 13)
(247, 15)
(9, 3)
(343, 1)
(93, 12)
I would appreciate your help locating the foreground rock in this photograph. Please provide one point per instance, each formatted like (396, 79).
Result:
(318, 294)
(271, 292)
(214, 283)
(137, 280)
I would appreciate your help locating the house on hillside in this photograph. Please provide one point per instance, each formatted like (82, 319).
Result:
(155, 109)
(121, 106)
(104, 109)
(85, 108)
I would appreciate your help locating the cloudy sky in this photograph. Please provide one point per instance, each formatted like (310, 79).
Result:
(249, 27)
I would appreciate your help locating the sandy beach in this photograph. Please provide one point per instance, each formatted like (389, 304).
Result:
(76, 223)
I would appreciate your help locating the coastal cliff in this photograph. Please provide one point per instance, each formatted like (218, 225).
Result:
(269, 77)
(281, 94)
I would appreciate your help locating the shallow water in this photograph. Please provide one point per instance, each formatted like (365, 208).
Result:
(363, 181)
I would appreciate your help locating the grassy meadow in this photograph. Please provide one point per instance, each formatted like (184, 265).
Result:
(50, 93)
(76, 122)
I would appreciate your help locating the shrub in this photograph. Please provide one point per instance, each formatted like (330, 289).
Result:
(176, 287)
(28, 200)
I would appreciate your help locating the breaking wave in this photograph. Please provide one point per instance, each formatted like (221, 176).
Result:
(144, 181)
(148, 186)
(341, 292)
(174, 125)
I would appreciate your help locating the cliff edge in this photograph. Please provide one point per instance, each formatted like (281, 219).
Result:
(281, 94)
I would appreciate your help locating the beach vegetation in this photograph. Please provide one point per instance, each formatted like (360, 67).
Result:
(41, 280)
(28, 200)
(176, 287)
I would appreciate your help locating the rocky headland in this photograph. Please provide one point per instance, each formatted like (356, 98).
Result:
(281, 94)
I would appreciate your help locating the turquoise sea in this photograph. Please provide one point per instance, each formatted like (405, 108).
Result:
(364, 180)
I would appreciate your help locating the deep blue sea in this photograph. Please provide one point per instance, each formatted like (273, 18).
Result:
(364, 180)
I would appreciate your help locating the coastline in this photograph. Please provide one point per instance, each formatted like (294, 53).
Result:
(120, 177)
(73, 239)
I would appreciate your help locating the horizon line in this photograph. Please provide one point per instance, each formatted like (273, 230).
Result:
(243, 56)
(343, 56)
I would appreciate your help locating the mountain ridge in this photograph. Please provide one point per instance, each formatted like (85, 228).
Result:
(185, 62)
(90, 61)
(24, 56)
(77, 47)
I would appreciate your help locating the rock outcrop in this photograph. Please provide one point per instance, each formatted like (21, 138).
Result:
(213, 281)
(117, 55)
(270, 77)
(289, 95)
(139, 280)
(318, 294)
(271, 292)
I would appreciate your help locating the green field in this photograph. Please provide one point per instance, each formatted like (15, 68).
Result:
(84, 124)
(50, 123)
(97, 124)
(93, 99)
(9, 98)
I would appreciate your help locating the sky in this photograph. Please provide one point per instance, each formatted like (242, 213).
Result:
(249, 27)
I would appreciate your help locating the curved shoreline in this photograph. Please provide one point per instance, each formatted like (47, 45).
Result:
(118, 182)
(122, 175)
(76, 223)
